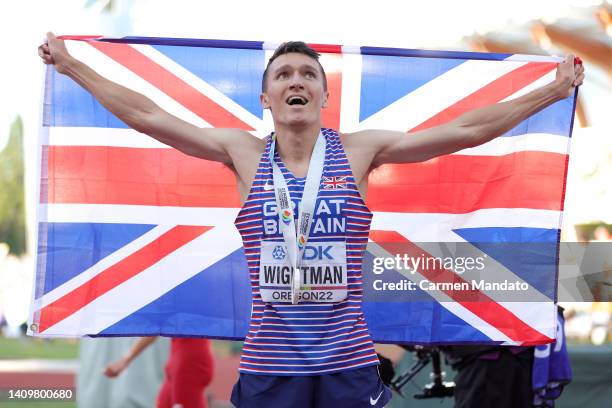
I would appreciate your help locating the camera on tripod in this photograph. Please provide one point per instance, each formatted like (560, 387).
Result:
(423, 356)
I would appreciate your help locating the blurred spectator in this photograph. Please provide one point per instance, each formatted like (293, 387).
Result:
(189, 371)
(135, 389)
(602, 233)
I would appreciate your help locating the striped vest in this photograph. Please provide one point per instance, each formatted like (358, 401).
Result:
(308, 338)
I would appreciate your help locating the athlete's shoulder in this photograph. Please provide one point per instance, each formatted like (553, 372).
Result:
(358, 139)
(242, 142)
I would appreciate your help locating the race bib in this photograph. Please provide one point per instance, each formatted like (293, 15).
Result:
(323, 271)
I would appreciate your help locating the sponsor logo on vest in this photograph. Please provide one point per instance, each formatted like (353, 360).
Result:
(317, 252)
(279, 253)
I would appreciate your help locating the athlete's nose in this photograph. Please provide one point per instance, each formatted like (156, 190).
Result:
(296, 81)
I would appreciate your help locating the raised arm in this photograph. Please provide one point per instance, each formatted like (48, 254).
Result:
(143, 115)
(468, 130)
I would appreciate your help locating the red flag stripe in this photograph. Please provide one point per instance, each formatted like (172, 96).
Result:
(115, 175)
(330, 116)
(118, 273)
(448, 184)
(461, 184)
(170, 84)
(326, 48)
(475, 301)
(494, 92)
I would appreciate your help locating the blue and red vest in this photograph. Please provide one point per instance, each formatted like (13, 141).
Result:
(308, 338)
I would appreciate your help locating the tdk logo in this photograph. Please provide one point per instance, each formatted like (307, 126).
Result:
(318, 252)
(278, 253)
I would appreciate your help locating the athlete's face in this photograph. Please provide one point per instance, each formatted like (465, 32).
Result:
(295, 90)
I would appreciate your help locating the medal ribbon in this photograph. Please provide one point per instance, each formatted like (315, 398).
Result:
(296, 241)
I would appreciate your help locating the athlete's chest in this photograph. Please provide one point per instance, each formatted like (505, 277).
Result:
(328, 217)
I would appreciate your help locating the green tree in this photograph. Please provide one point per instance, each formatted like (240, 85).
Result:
(12, 198)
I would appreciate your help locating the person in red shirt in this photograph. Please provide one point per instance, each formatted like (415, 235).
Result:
(189, 370)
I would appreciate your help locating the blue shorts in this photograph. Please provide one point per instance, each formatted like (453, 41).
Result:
(354, 388)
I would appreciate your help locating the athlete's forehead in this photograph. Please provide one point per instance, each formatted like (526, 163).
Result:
(293, 60)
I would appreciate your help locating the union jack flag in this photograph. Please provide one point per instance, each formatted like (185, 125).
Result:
(334, 182)
(135, 238)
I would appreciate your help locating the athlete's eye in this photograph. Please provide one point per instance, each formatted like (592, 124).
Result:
(311, 75)
(282, 75)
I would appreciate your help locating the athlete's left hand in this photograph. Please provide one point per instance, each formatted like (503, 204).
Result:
(570, 74)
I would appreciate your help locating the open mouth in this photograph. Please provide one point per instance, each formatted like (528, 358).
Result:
(296, 100)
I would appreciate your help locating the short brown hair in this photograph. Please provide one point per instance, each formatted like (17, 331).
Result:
(299, 47)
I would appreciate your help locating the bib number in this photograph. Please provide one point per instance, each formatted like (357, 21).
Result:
(322, 270)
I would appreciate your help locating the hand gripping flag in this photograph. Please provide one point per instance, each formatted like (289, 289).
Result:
(136, 238)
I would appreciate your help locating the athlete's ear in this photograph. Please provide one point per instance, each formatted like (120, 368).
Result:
(265, 101)
(325, 97)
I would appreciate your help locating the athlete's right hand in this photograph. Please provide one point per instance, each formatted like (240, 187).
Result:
(54, 52)
(114, 369)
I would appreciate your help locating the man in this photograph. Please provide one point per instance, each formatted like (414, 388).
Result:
(308, 343)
